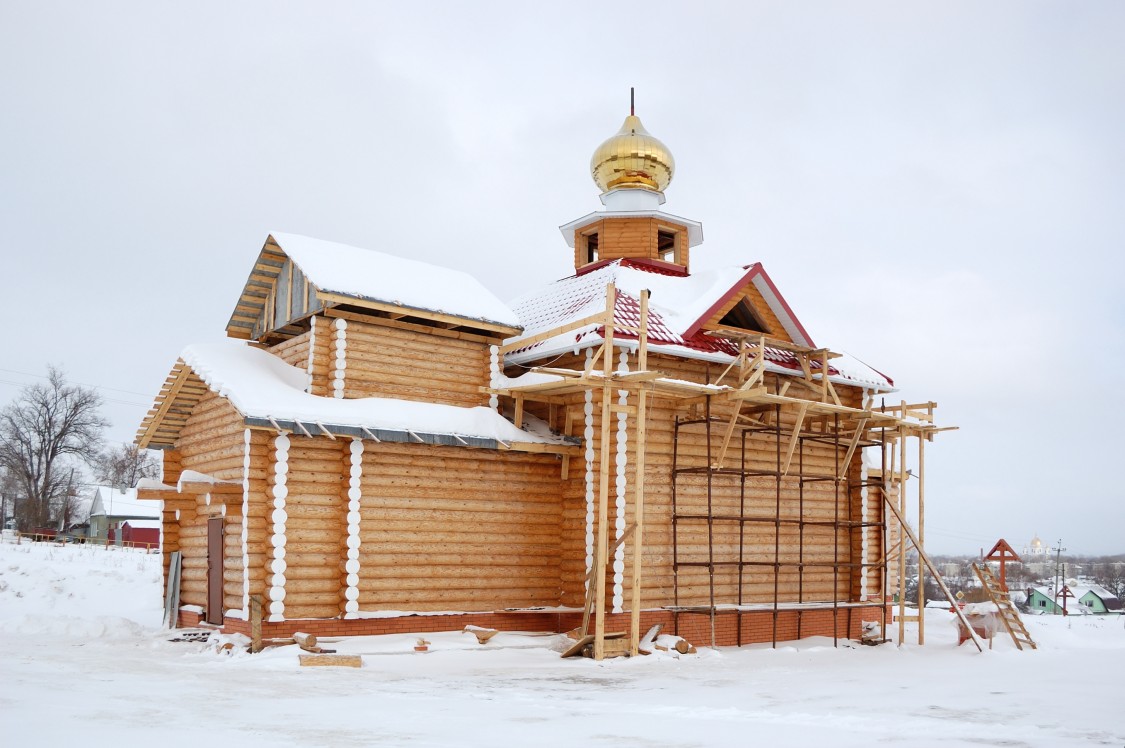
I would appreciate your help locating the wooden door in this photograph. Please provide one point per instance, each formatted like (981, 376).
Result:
(215, 570)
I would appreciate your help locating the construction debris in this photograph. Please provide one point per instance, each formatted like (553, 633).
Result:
(482, 634)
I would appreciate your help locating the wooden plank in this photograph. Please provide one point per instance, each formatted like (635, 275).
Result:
(578, 646)
(594, 319)
(603, 482)
(795, 437)
(639, 481)
(330, 660)
(889, 502)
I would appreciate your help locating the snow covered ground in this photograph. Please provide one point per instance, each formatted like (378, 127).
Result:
(85, 660)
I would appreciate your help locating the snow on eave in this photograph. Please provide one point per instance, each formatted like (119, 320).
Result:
(269, 392)
(370, 275)
(695, 228)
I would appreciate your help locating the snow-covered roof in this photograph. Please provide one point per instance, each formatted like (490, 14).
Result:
(1079, 591)
(261, 385)
(368, 274)
(112, 502)
(679, 305)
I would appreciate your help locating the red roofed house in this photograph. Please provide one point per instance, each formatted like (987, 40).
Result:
(383, 440)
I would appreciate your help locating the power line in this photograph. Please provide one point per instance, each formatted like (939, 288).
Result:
(84, 384)
(94, 386)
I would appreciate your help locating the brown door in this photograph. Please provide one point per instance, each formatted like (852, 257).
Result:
(215, 570)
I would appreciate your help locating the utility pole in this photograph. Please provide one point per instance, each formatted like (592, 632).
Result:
(1058, 572)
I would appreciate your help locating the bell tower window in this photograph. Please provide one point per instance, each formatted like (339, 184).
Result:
(591, 242)
(668, 245)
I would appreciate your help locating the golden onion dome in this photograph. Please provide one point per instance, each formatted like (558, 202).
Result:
(632, 159)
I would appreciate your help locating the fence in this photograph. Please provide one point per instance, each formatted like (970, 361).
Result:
(11, 536)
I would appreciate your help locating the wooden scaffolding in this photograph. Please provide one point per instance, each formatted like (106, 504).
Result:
(758, 410)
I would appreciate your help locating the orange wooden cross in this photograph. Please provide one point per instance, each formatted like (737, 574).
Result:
(1003, 553)
(1064, 594)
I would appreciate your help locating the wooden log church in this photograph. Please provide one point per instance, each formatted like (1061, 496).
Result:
(382, 445)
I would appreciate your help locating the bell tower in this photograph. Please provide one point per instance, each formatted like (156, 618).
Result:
(632, 169)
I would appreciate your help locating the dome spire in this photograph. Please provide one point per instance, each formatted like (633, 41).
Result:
(632, 159)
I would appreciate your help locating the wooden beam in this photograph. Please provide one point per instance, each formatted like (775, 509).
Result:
(603, 482)
(933, 569)
(639, 452)
(851, 448)
(593, 319)
(795, 437)
(381, 306)
(396, 323)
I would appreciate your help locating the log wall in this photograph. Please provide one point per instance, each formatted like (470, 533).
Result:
(212, 442)
(315, 527)
(385, 361)
(447, 528)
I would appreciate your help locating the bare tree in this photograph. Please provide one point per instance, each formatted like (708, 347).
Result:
(125, 465)
(42, 433)
(1111, 575)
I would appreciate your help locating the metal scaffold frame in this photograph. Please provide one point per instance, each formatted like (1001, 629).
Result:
(847, 524)
(819, 417)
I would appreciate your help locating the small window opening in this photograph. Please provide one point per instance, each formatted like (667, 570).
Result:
(742, 316)
(591, 248)
(666, 245)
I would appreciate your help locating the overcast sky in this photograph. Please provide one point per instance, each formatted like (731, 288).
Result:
(936, 188)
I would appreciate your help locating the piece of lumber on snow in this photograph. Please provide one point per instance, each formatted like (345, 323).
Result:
(482, 634)
(304, 641)
(578, 646)
(330, 660)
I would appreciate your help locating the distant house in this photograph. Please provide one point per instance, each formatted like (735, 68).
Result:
(118, 517)
(1098, 599)
(1087, 599)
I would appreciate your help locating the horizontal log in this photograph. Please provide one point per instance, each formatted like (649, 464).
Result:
(542, 573)
(377, 559)
(455, 506)
(440, 600)
(524, 533)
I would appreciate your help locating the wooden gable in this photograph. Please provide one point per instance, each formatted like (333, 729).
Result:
(753, 305)
(747, 311)
(278, 300)
(277, 297)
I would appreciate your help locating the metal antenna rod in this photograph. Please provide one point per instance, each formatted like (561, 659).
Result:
(631, 112)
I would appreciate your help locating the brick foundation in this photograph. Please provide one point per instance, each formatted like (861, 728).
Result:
(756, 626)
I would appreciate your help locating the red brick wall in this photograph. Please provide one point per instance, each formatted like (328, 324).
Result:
(756, 627)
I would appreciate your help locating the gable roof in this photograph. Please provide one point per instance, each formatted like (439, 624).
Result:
(680, 305)
(1079, 591)
(110, 502)
(340, 272)
(270, 393)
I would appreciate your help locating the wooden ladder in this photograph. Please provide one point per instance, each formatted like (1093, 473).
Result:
(1008, 613)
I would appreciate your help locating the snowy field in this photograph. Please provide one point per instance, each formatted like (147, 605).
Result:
(86, 661)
